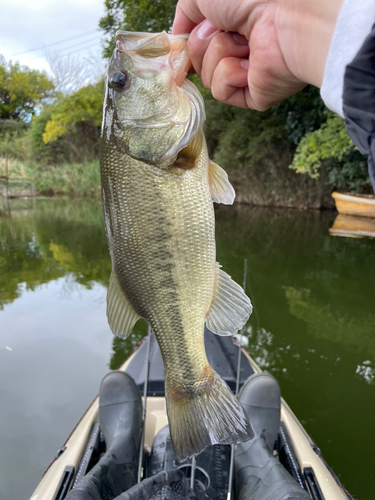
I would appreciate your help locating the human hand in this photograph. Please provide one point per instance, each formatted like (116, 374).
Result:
(255, 53)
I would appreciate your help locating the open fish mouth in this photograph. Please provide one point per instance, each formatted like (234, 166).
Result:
(154, 52)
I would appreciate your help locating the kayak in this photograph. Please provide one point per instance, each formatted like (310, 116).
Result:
(362, 205)
(295, 450)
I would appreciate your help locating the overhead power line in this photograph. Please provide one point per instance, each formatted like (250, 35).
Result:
(79, 50)
(69, 52)
(57, 43)
(84, 46)
(64, 50)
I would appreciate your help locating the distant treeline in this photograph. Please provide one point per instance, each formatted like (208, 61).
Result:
(294, 154)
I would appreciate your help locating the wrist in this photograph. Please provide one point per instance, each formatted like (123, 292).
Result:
(305, 29)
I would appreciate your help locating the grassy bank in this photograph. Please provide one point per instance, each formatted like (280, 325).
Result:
(74, 179)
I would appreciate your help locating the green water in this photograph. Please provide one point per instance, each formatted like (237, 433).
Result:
(313, 326)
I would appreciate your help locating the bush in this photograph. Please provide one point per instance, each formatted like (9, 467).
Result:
(330, 148)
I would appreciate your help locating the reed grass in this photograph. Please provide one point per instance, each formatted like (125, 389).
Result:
(74, 179)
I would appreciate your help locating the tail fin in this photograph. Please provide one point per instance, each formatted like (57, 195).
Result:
(213, 417)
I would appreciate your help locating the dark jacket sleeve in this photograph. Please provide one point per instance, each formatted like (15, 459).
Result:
(359, 101)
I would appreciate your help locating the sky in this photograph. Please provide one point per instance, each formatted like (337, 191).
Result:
(33, 24)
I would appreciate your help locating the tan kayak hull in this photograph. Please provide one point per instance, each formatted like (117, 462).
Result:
(350, 204)
(156, 419)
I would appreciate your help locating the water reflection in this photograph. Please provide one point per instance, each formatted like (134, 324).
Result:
(47, 243)
(326, 322)
(312, 326)
(350, 226)
(123, 348)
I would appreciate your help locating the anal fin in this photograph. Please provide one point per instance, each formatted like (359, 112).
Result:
(230, 308)
(120, 313)
(220, 188)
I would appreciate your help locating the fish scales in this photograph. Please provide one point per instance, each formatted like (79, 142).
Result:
(161, 239)
(158, 185)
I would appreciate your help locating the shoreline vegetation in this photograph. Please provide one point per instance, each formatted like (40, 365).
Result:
(293, 155)
(68, 179)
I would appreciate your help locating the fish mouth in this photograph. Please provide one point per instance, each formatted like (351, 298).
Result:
(171, 109)
(145, 34)
(154, 52)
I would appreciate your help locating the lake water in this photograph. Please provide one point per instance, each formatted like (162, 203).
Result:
(313, 327)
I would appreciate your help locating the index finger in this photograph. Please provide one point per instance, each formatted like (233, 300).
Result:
(187, 16)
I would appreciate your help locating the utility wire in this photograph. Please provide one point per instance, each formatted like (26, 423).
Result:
(79, 50)
(83, 46)
(79, 46)
(57, 43)
(92, 44)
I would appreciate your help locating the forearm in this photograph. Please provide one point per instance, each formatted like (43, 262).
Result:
(305, 29)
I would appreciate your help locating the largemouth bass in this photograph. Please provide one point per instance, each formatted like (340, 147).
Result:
(158, 188)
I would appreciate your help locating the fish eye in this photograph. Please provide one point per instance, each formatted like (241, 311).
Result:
(118, 80)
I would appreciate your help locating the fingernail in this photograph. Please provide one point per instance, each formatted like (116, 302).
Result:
(240, 39)
(245, 64)
(206, 30)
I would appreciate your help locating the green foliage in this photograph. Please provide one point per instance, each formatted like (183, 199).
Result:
(69, 129)
(85, 105)
(15, 145)
(135, 15)
(248, 138)
(10, 126)
(22, 91)
(331, 148)
(302, 113)
(38, 149)
(350, 173)
(331, 140)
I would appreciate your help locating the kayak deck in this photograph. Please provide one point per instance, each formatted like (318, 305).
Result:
(295, 449)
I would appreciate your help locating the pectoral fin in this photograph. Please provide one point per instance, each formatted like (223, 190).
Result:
(187, 156)
(230, 308)
(120, 313)
(221, 189)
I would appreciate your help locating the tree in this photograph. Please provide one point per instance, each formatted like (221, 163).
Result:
(72, 72)
(68, 130)
(135, 15)
(22, 91)
(85, 105)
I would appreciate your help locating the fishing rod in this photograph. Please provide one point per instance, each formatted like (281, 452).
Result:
(233, 446)
(193, 467)
(145, 388)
